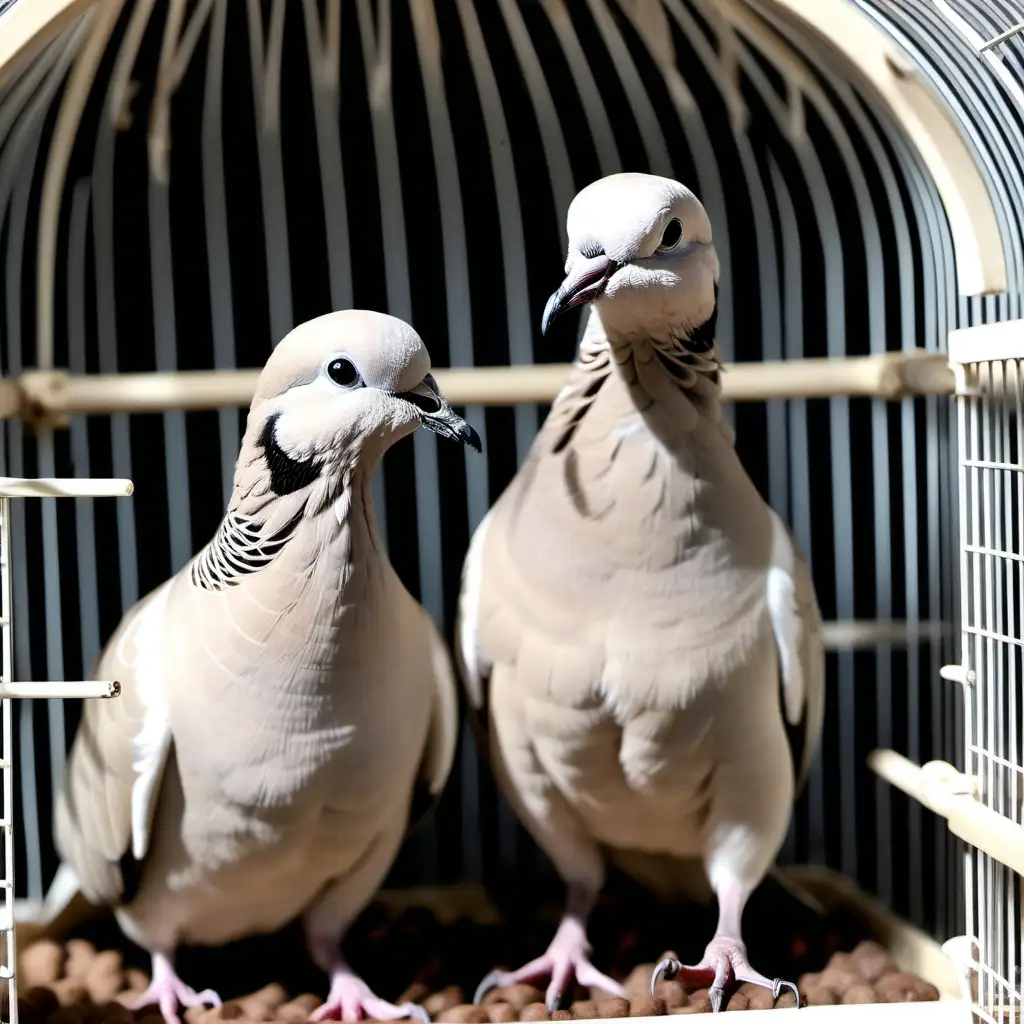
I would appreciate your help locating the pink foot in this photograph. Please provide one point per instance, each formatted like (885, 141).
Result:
(725, 961)
(567, 958)
(350, 998)
(169, 992)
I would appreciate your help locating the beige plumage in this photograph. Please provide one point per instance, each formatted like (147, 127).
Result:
(282, 695)
(634, 619)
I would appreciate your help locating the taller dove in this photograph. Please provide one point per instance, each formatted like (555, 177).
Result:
(284, 699)
(634, 619)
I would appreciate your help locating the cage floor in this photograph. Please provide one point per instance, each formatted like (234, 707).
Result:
(436, 957)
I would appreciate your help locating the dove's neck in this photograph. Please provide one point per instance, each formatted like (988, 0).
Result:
(675, 391)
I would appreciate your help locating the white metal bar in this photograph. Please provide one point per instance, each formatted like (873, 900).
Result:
(67, 690)
(6, 754)
(64, 487)
(1001, 340)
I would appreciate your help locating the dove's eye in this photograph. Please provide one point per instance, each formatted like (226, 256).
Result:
(671, 235)
(343, 372)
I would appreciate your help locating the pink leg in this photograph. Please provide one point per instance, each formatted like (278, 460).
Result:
(169, 992)
(350, 998)
(725, 959)
(567, 957)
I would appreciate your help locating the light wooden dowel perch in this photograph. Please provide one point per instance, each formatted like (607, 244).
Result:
(49, 397)
(948, 792)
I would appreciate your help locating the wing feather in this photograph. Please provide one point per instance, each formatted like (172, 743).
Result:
(116, 765)
(796, 624)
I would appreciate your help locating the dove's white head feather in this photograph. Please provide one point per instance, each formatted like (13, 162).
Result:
(641, 247)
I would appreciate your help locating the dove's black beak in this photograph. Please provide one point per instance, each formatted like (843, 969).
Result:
(584, 283)
(437, 415)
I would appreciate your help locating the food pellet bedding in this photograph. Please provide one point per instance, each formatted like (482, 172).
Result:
(93, 978)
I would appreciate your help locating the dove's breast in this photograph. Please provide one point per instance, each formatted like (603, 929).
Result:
(299, 760)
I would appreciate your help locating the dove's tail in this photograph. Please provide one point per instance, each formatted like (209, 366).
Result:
(62, 907)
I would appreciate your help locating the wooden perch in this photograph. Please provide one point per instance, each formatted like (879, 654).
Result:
(49, 397)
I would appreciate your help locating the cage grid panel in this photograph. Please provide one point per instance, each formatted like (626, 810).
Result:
(990, 419)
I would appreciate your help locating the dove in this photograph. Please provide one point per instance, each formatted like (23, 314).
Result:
(638, 636)
(286, 705)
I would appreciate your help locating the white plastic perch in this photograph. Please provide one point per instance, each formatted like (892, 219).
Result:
(946, 791)
(20, 487)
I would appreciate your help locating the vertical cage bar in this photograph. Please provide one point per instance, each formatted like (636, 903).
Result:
(8, 970)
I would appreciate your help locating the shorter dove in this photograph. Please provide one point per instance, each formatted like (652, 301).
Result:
(286, 705)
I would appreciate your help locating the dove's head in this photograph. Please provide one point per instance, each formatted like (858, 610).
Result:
(640, 248)
(341, 388)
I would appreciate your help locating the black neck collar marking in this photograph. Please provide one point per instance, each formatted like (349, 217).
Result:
(287, 475)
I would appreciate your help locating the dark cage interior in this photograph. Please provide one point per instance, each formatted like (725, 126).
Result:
(424, 168)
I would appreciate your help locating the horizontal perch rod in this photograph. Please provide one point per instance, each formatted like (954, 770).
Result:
(52, 395)
(942, 789)
(66, 487)
(67, 691)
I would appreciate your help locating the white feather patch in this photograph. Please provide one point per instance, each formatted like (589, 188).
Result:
(152, 742)
(786, 619)
(469, 613)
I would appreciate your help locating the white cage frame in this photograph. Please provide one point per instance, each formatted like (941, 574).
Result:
(20, 487)
(988, 363)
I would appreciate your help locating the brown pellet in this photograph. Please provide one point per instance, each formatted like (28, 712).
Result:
(80, 954)
(786, 998)
(585, 1009)
(105, 976)
(68, 1015)
(838, 981)
(299, 1008)
(115, 1013)
(672, 992)
(535, 1011)
(502, 1013)
(818, 995)
(443, 1000)
(464, 1013)
(415, 993)
(231, 1010)
(563, 1015)
(758, 997)
(517, 996)
(700, 1001)
(872, 962)
(648, 1006)
(609, 1009)
(736, 1001)
(862, 993)
(27, 1013)
(69, 991)
(638, 981)
(41, 963)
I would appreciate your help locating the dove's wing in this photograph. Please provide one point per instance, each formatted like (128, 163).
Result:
(796, 624)
(443, 734)
(115, 769)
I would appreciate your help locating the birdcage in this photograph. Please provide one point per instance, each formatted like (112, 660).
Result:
(861, 164)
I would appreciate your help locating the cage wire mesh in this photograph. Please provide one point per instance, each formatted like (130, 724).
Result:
(418, 158)
(991, 456)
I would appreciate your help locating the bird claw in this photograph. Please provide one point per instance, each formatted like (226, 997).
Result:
(716, 995)
(491, 980)
(416, 1012)
(669, 968)
(778, 985)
